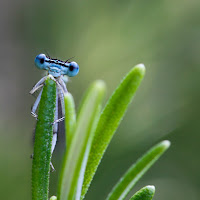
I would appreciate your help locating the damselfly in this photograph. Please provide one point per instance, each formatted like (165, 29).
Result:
(56, 69)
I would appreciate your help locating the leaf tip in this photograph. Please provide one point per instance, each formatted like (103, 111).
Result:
(166, 144)
(151, 188)
(141, 68)
(53, 198)
(100, 83)
(68, 95)
(100, 86)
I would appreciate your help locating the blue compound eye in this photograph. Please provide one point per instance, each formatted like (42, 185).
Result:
(40, 61)
(73, 69)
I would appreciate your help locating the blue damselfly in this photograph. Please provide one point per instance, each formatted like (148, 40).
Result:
(56, 70)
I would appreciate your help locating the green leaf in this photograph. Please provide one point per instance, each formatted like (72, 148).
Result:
(137, 170)
(146, 193)
(76, 156)
(110, 120)
(43, 140)
(70, 117)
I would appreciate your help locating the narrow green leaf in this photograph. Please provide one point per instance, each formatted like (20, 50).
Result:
(136, 171)
(43, 140)
(70, 117)
(83, 100)
(53, 198)
(146, 193)
(76, 156)
(110, 120)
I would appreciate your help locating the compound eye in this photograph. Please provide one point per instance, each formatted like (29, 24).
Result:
(40, 61)
(73, 69)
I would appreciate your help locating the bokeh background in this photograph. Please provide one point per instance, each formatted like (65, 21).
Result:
(107, 39)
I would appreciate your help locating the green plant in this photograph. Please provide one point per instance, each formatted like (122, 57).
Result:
(87, 139)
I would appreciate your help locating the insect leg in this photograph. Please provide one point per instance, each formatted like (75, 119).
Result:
(35, 105)
(38, 85)
(62, 83)
(61, 97)
(55, 128)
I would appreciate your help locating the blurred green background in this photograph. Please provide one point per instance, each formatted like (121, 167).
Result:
(107, 39)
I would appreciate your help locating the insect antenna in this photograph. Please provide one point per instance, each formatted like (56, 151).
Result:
(46, 52)
(69, 59)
